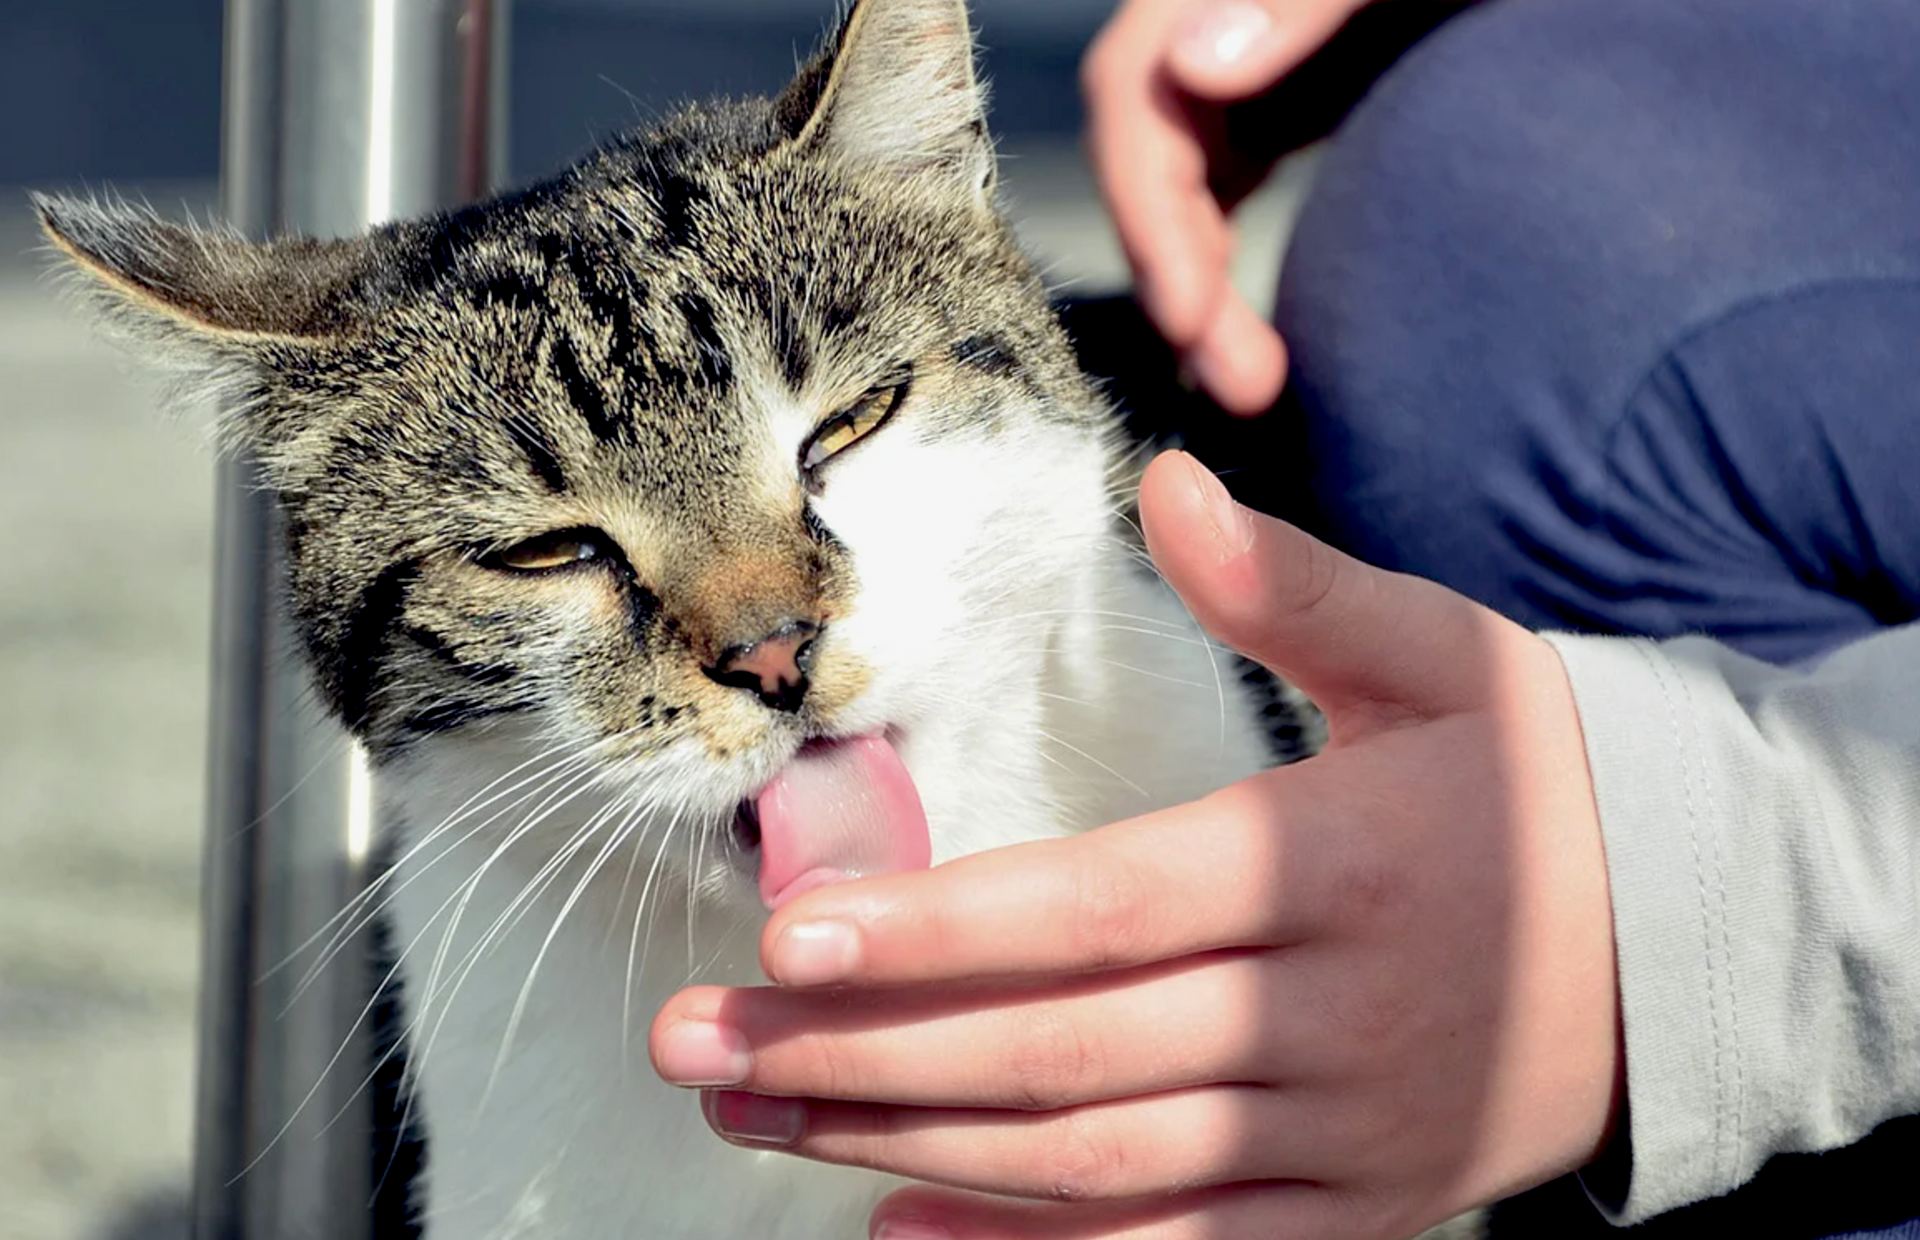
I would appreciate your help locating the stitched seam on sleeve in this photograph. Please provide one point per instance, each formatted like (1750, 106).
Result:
(1714, 823)
(1663, 676)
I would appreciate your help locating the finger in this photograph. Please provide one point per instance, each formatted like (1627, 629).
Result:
(1372, 648)
(1115, 1150)
(1258, 1211)
(1233, 49)
(1152, 169)
(1240, 360)
(1209, 875)
(1199, 1022)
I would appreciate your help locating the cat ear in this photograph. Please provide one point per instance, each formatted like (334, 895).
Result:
(212, 286)
(898, 89)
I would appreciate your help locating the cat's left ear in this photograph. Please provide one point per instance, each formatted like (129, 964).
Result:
(204, 287)
(898, 89)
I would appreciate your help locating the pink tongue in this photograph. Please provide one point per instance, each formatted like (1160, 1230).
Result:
(840, 810)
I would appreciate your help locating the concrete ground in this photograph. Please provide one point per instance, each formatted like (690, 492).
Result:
(105, 593)
(104, 600)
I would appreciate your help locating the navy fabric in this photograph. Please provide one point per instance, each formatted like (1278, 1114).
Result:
(1607, 313)
(1906, 1231)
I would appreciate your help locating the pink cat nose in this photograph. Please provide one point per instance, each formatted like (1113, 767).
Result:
(773, 667)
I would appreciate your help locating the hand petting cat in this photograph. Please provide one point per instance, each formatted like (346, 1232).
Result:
(1349, 997)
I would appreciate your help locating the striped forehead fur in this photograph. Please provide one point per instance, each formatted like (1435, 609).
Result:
(603, 339)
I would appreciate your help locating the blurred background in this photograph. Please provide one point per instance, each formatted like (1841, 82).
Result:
(105, 587)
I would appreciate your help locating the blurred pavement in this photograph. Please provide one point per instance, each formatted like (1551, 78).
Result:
(103, 632)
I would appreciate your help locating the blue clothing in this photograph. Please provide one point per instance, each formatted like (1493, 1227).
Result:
(1607, 314)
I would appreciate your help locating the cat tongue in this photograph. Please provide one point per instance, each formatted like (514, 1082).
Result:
(839, 810)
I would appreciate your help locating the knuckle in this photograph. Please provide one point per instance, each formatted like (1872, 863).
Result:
(1316, 576)
(1111, 914)
(879, 1138)
(1372, 1020)
(1380, 1131)
(1372, 893)
(826, 1069)
(884, 1141)
(1084, 1159)
(1367, 890)
(1054, 1063)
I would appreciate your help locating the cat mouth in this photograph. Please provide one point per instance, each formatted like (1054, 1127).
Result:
(745, 830)
(839, 809)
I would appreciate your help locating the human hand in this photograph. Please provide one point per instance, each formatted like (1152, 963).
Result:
(1158, 82)
(1349, 997)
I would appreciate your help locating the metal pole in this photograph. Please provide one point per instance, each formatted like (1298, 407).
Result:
(339, 114)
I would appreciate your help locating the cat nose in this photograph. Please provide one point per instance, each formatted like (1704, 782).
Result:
(773, 667)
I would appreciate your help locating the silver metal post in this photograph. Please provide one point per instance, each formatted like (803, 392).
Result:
(339, 114)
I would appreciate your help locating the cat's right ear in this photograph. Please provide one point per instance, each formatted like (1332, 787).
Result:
(206, 287)
(897, 89)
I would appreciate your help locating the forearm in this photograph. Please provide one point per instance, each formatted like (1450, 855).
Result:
(1763, 845)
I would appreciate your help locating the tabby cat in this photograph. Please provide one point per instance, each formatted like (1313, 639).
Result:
(645, 524)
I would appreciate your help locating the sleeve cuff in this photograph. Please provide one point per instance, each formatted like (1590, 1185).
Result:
(1679, 1138)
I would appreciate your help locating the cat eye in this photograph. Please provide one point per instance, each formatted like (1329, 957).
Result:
(548, 552)
(850, 426)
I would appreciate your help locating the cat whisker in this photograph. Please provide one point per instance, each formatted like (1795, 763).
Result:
(469, 887)
(1150, 675)
(349, 1041)
(477, 801)
(584, 752)
(614, 840)
(508, 918)
(1070, 747)
(1068, 612)
(364, 916)
(626, 880)
(511, 915)
(1219, 685)
(639, 947)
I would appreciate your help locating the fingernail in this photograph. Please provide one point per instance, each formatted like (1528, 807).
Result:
(815, 953)
(756, 1119)
(910, 1229)
(1232, 531)
(698, 1054)
(1221, 35)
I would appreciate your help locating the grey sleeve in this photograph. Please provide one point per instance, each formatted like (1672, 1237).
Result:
(1762, 832)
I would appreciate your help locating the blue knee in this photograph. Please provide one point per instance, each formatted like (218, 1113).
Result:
(1519, 226)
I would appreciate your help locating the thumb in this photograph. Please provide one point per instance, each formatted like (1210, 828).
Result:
(1370, 647)
(1233, 49)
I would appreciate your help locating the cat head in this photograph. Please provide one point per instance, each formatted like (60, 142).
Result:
(734, 435)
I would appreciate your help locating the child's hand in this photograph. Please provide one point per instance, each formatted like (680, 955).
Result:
(1346, 998)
